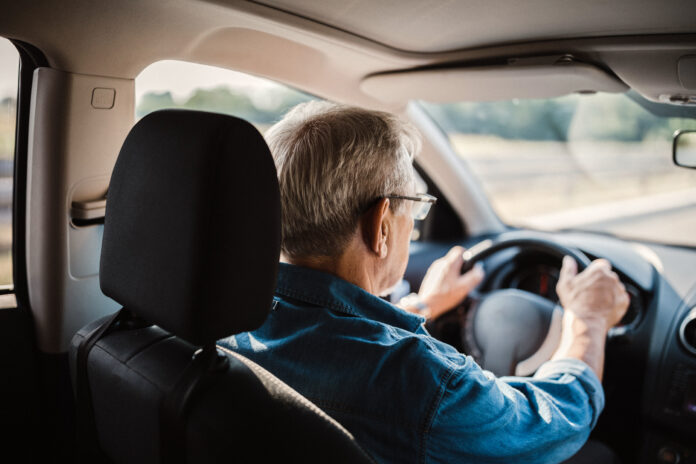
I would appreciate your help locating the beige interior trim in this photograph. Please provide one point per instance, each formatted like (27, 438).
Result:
(73, 144)
(120, 39)
(544, 77)
(8, 300)
(430, 26)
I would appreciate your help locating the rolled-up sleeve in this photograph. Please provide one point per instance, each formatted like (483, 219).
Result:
(543, 419)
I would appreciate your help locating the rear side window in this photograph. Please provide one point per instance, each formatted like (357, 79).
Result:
(177, 84)
(9, 75)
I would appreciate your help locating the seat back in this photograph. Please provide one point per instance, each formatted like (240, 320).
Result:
(190, 249)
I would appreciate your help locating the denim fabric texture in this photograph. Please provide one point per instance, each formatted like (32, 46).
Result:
(405, 396)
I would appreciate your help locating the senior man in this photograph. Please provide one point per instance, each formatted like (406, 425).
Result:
(348, 201)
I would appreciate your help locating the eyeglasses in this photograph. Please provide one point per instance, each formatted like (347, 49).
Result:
(421, 204)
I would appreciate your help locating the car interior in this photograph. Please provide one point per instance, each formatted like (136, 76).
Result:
(140, 223)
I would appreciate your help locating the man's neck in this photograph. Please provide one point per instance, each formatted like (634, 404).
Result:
(353, 265)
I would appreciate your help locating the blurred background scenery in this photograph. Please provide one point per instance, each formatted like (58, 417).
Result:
(9, 70)
(597, 162)
(594, 162)
(261, 108)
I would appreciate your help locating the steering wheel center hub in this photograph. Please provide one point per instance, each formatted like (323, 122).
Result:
(509, 326)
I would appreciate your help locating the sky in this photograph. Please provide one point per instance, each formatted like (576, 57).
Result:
(181, 78)
(9, 68)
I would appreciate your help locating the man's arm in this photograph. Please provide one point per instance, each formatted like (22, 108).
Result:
(544, 419)
(593, 301)
(547, 418)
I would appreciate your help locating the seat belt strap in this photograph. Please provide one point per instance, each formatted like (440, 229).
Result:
(206, 364)
(87, 439)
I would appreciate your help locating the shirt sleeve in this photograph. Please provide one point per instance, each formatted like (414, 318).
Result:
(543, 419)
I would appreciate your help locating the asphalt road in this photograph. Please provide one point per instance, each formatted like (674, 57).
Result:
(675, 226)
(664, 218)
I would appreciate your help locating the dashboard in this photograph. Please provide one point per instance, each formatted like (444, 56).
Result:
(650, 367)
(538, 273)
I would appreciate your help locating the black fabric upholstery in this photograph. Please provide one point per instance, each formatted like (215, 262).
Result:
(191, 244)
(193, 209)
(247, 416)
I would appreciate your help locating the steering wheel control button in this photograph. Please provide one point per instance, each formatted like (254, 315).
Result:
(687, 332)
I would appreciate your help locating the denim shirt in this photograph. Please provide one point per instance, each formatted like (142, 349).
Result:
(405, 396)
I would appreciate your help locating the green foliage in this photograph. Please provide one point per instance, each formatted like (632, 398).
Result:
(579, 117)
(154, 101)
(259, 107)
(517, 119)
(7, 128)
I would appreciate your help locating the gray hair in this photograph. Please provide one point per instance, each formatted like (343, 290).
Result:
(333, 162)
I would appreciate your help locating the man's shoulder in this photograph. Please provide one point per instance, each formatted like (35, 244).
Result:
(435, 351)
(363, 337)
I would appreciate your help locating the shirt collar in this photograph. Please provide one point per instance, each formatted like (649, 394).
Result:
(328, 291)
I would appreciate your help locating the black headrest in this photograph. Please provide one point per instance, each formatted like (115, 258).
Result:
(192, 229)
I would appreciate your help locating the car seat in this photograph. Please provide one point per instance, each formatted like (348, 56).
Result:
(190, 250)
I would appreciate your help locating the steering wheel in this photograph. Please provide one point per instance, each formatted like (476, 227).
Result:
(505, 329)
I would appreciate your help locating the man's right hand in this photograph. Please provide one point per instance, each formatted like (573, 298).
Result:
(594, 301)
(594, 294)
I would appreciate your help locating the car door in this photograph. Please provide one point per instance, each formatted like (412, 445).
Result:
(35, 398)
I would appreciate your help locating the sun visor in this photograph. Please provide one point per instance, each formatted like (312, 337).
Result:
(519, 78)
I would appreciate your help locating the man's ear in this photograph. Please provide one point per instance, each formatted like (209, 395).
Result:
(376, 228)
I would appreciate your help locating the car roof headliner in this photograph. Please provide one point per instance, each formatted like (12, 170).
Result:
(444, 25)
(329, 47)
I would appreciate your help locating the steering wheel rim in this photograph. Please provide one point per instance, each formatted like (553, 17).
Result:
(488, 248)
(495, 319)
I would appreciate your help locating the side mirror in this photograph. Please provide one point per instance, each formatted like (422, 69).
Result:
(684, 149)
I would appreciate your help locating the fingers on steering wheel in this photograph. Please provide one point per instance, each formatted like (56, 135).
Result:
(569, 268)
(455, 254)
(624, 298)
(470, 279)
(454, 260)
(597, 271)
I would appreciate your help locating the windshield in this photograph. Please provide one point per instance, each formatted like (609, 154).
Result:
(600, 162)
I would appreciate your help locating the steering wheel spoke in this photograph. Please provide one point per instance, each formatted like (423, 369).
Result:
(511, 331)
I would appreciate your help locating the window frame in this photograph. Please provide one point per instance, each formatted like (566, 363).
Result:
(9, 288)
(30, 58)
